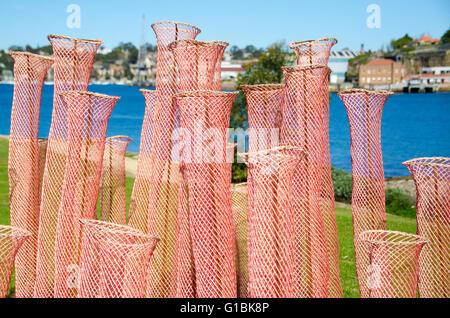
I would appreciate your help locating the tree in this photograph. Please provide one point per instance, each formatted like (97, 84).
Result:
(446, 37)
(402, 42)
(236, 53)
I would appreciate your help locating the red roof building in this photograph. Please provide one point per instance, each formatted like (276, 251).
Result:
(381, 72)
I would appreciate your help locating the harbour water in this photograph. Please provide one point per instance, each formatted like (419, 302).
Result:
(413, 125)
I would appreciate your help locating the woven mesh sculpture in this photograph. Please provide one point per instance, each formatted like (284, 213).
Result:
(432, 179)
(72, 69)
(30, 71)
(124, 261)
(11, 238)
(271, 228)
(205, 118)
(158, 215)
(88, 115)
(303, 127)
(309, 53)
(113, 203)
(364, 110)
(394, 260)
(42, 144)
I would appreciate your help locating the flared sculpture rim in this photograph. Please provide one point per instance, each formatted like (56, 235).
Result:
(121, 138)
(89, 94)
(156, 24)
(44, 57)
(429, 161)
(401, 238)
(275, 150)
(146, 90)
(205, 93)
(364, 91)
(13, 231)
(320, 41)
(298, 68)
(187, 42)
(262, 87)
(63, 37)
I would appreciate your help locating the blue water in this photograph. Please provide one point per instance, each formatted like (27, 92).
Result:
(413, 125)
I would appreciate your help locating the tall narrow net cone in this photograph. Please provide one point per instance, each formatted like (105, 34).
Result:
(11, 239)
(72, 69)
(24, 161)
(113, 204)
(303, 127)
(432, 179)
(394, 262)
(364, 110)
(309, 53)
(88, 115)
(124, 260)
(271, 228)
(205, 118)
(158, 214)
(89, 260)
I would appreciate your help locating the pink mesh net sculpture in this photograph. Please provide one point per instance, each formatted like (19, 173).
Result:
(271, 228)
(393, 263)
(205, 118)
(159, 214)
(89, 260)
(30, 71)
(42, 144)
(309, 53)
(124, 260)
(11, 239)
(303, 127)
(72, 69)
(88, 115)
(113, 203)
(432, 179)
(364, 110)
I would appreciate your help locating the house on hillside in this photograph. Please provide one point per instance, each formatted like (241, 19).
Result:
(381, 72)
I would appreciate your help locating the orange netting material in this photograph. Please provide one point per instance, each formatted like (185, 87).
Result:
(112, 196)
(432, 179)
(42, 143)
(11, 238)
(393, 263)
(303, 127)
(88, 115)
(271, 228)
(72, 69)
(124, 261)
(30, 71)
(205, 118)
(364, 110)
(309, 53)
(89, 260)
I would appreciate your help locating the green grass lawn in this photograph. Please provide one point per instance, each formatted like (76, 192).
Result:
(343, 216)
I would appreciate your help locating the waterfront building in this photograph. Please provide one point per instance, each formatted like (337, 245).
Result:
(381, 72)
(338, 63)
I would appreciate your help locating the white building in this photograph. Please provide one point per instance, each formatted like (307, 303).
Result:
(338, 62)
(231, 71)
(437, 70)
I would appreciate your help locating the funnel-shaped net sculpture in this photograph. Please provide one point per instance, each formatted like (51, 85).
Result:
(364, 110)
(303, 127)
(112, 196)
(205, 118)
(432, 179)
(88, 115)
(11, 239)
(197, 64)
(42, 144)
(89, 260)
(310, 53)
(158, 214)
(124, 260)
(271, 228)
(30, 71)
(72, 69)
(239, 208)
(393, 263)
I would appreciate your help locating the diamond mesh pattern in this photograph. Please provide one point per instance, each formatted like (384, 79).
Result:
(113, 204)
(11, 238)
(205, 118)
(88, 115)
(271, 228)
(364, 110)
(72, 70)
(393, 265)
(313, 51)
(303, 127)
(24, 161)
(432, 179)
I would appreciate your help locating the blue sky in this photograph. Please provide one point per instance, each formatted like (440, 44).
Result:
(239, 22)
